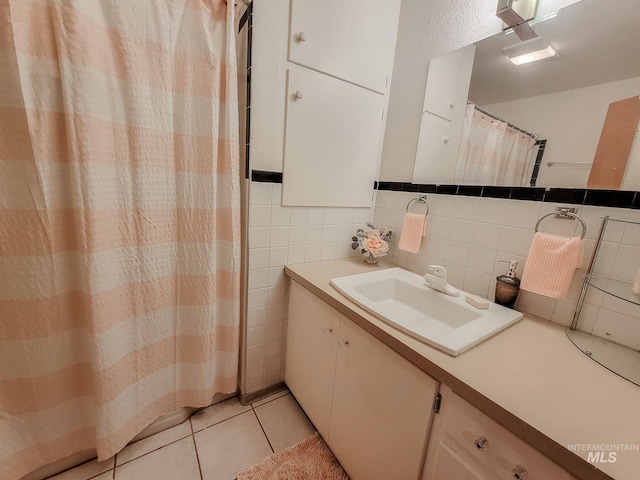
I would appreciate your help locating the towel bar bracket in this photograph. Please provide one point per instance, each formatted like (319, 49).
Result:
(567, 213)
(421, 199)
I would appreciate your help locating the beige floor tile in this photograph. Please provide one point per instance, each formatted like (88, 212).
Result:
(270, 398)
(218, 413)
(149, 444)
(230, 446)
(85, 471)
(284, 422)
(175, 461)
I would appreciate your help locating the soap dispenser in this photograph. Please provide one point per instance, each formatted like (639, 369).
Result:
(508, 285)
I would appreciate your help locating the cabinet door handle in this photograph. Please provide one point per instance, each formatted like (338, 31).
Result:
(298, 95)
(345, 343)
(481, 443)
(445, 140)
(452, 104)
(327, 330)
(519, 472)
(301, 37)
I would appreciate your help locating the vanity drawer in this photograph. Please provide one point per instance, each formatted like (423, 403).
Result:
(472, 434)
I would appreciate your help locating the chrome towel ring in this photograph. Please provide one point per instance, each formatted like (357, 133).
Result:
(563, 213)
(422, 199)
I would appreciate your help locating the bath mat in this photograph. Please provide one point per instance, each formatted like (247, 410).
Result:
(310, 459)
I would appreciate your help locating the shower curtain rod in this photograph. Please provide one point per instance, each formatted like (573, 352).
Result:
(488, 114)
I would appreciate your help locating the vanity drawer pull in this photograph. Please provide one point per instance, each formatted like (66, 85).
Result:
(519, 472)
(481, 443)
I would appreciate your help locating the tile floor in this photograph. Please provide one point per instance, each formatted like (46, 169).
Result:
(214, 444)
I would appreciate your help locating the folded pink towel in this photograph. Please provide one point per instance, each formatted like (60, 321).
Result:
(414, 227)
(551, 264)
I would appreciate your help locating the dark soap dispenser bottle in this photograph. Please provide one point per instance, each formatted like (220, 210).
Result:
(508, 286)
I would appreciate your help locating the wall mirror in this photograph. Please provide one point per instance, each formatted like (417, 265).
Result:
(563, 100)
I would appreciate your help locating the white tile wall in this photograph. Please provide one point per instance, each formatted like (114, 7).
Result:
(280, 235)
(470, 235)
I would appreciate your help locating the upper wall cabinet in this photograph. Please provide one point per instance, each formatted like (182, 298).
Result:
(354, 40)
(445, 101)
(448, 83)
(333, 139)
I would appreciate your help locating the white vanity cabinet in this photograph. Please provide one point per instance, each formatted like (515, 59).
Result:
(354, 41)
(376, 406)
(466, 444)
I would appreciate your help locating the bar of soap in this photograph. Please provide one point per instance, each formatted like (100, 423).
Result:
(477, 301)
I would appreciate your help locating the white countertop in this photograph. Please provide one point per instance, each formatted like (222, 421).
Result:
(529, 377)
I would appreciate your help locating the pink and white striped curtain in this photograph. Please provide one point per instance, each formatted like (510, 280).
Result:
(492, 153)
(119, 220)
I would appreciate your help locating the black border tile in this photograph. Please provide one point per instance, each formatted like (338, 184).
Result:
(565, 195)
(427, 188)
(393, 186)
(527, 193)
(447, 189)
(576, 196)
(410, 187)
(266, 177)
(609, 198)
(470, 190)
(496, 192)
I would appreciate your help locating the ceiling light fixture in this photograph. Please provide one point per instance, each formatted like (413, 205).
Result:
(516, 13)
(530, 51)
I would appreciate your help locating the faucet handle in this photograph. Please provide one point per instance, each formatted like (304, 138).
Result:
(438, 270)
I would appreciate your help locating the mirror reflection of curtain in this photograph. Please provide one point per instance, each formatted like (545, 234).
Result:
(493, 153)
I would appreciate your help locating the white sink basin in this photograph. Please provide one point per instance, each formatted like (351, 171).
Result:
(402, 299)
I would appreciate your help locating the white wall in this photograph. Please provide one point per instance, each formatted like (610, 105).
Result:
(572, 122)
(428, 29)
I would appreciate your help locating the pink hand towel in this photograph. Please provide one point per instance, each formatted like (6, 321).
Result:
(414, 227)
(551, 264)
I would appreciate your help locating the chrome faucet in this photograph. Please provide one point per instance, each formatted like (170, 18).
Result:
(438, 280)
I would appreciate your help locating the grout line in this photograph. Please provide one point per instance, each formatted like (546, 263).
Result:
(154, 450)
(263, 430)
(195, 447)
(218, 423)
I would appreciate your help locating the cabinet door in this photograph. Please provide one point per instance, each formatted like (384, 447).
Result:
(480, 444)
(435, 159)
(312, 343)
(354, 41)
(448, 83)
(333, 142)
(381, 411)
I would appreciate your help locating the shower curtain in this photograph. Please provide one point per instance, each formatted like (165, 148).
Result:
(493, 153)
(119, 220)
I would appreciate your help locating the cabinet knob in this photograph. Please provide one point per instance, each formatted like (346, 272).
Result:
(301, 37)
(481, 443)
(452, 104)
(519, 472)
(298, 95)
(445, 140)
(327, 330)
(345, 343)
